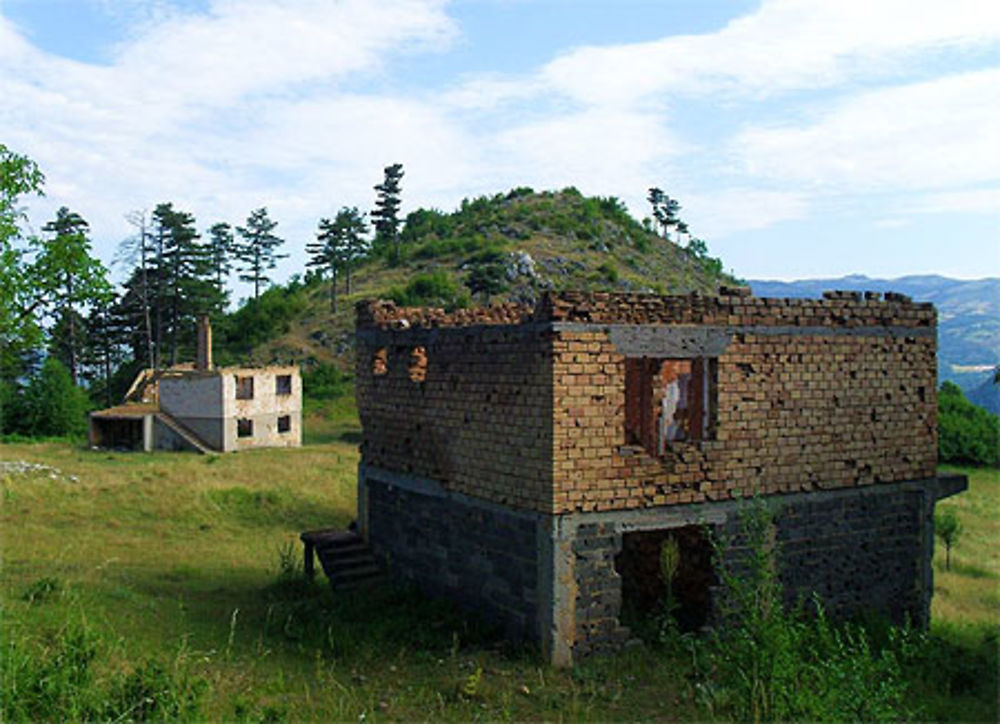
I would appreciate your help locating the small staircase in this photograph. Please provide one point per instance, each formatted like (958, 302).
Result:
(188, 435)
(346, 559)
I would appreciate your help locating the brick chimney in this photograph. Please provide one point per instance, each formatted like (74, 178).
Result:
(203, 360)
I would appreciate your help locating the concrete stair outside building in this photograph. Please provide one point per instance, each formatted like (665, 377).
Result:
(347, 560)
(184, 432)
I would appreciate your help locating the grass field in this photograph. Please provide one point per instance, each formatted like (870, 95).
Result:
(114, 560)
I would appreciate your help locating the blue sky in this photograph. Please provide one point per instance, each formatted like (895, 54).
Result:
(803, 138)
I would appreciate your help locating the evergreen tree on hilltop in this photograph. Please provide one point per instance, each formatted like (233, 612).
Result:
(327, 254)
(255, 255)
(221, 244)
(354, 229)
(385, 217)
(339, 245)
(665, 211)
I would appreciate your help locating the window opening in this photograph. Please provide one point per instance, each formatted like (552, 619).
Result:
(418, 364)
(283, 385)
(285, 423)
(669, 400)
(380, 362)
(244, 427)
(244, 388)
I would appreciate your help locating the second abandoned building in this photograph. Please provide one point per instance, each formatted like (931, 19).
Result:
(528, 461)
(205, 408)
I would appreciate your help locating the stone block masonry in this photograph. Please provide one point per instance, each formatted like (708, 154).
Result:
(589, 412)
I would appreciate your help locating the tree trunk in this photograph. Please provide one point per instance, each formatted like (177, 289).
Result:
(333, 292)
(72, 329)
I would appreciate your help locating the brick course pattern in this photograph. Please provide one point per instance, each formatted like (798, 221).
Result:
(527, 407)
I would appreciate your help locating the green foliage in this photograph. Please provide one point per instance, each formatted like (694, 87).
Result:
(436, 248)
(49, 406)
(608, 271)
(947, 527)
(54, 680)
(259, 320)
(437, 289)
(765, 664)
(966, 433)
(385, 215)
(487, 275)
(325, 382)
(255, 254)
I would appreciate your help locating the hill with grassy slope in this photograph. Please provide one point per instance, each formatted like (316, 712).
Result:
(508, 247)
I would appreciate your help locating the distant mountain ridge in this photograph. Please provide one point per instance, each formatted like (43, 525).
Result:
(968, 316)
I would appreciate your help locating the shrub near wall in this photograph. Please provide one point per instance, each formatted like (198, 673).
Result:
(967, 434)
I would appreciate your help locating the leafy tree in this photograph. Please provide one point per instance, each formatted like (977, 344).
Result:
(256, 253)
(385, 217)
(19, 176)
(947, 527)
(71, 277)
(967, 434)
(52, 405)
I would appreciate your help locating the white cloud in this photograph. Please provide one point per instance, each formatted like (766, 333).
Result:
(258, 102)
(975, 201)
(784, 45)
(920, 136)
(722, 212)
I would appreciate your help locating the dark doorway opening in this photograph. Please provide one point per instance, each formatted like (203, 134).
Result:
(643, 586)
(117, 433)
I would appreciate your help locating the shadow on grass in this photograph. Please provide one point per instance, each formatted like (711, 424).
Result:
(290, 613)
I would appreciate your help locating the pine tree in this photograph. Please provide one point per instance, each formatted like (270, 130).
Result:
(354, 229)
(327, 253)
(221, 244)
(255, 254)
(385, 217)
(665, 211)
(73, 278)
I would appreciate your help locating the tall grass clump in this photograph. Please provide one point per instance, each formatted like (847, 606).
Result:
(59, 677)
(766, 664)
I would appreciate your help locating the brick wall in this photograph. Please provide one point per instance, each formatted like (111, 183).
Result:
(463, 399)
(529, 407)
(809, 394)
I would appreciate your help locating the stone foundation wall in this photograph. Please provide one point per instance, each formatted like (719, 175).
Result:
(483, 557)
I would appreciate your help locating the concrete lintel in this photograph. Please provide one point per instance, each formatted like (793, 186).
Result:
(677, 342)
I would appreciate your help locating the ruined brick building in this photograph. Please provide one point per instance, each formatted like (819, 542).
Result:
(527, 462)
(205, 408)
